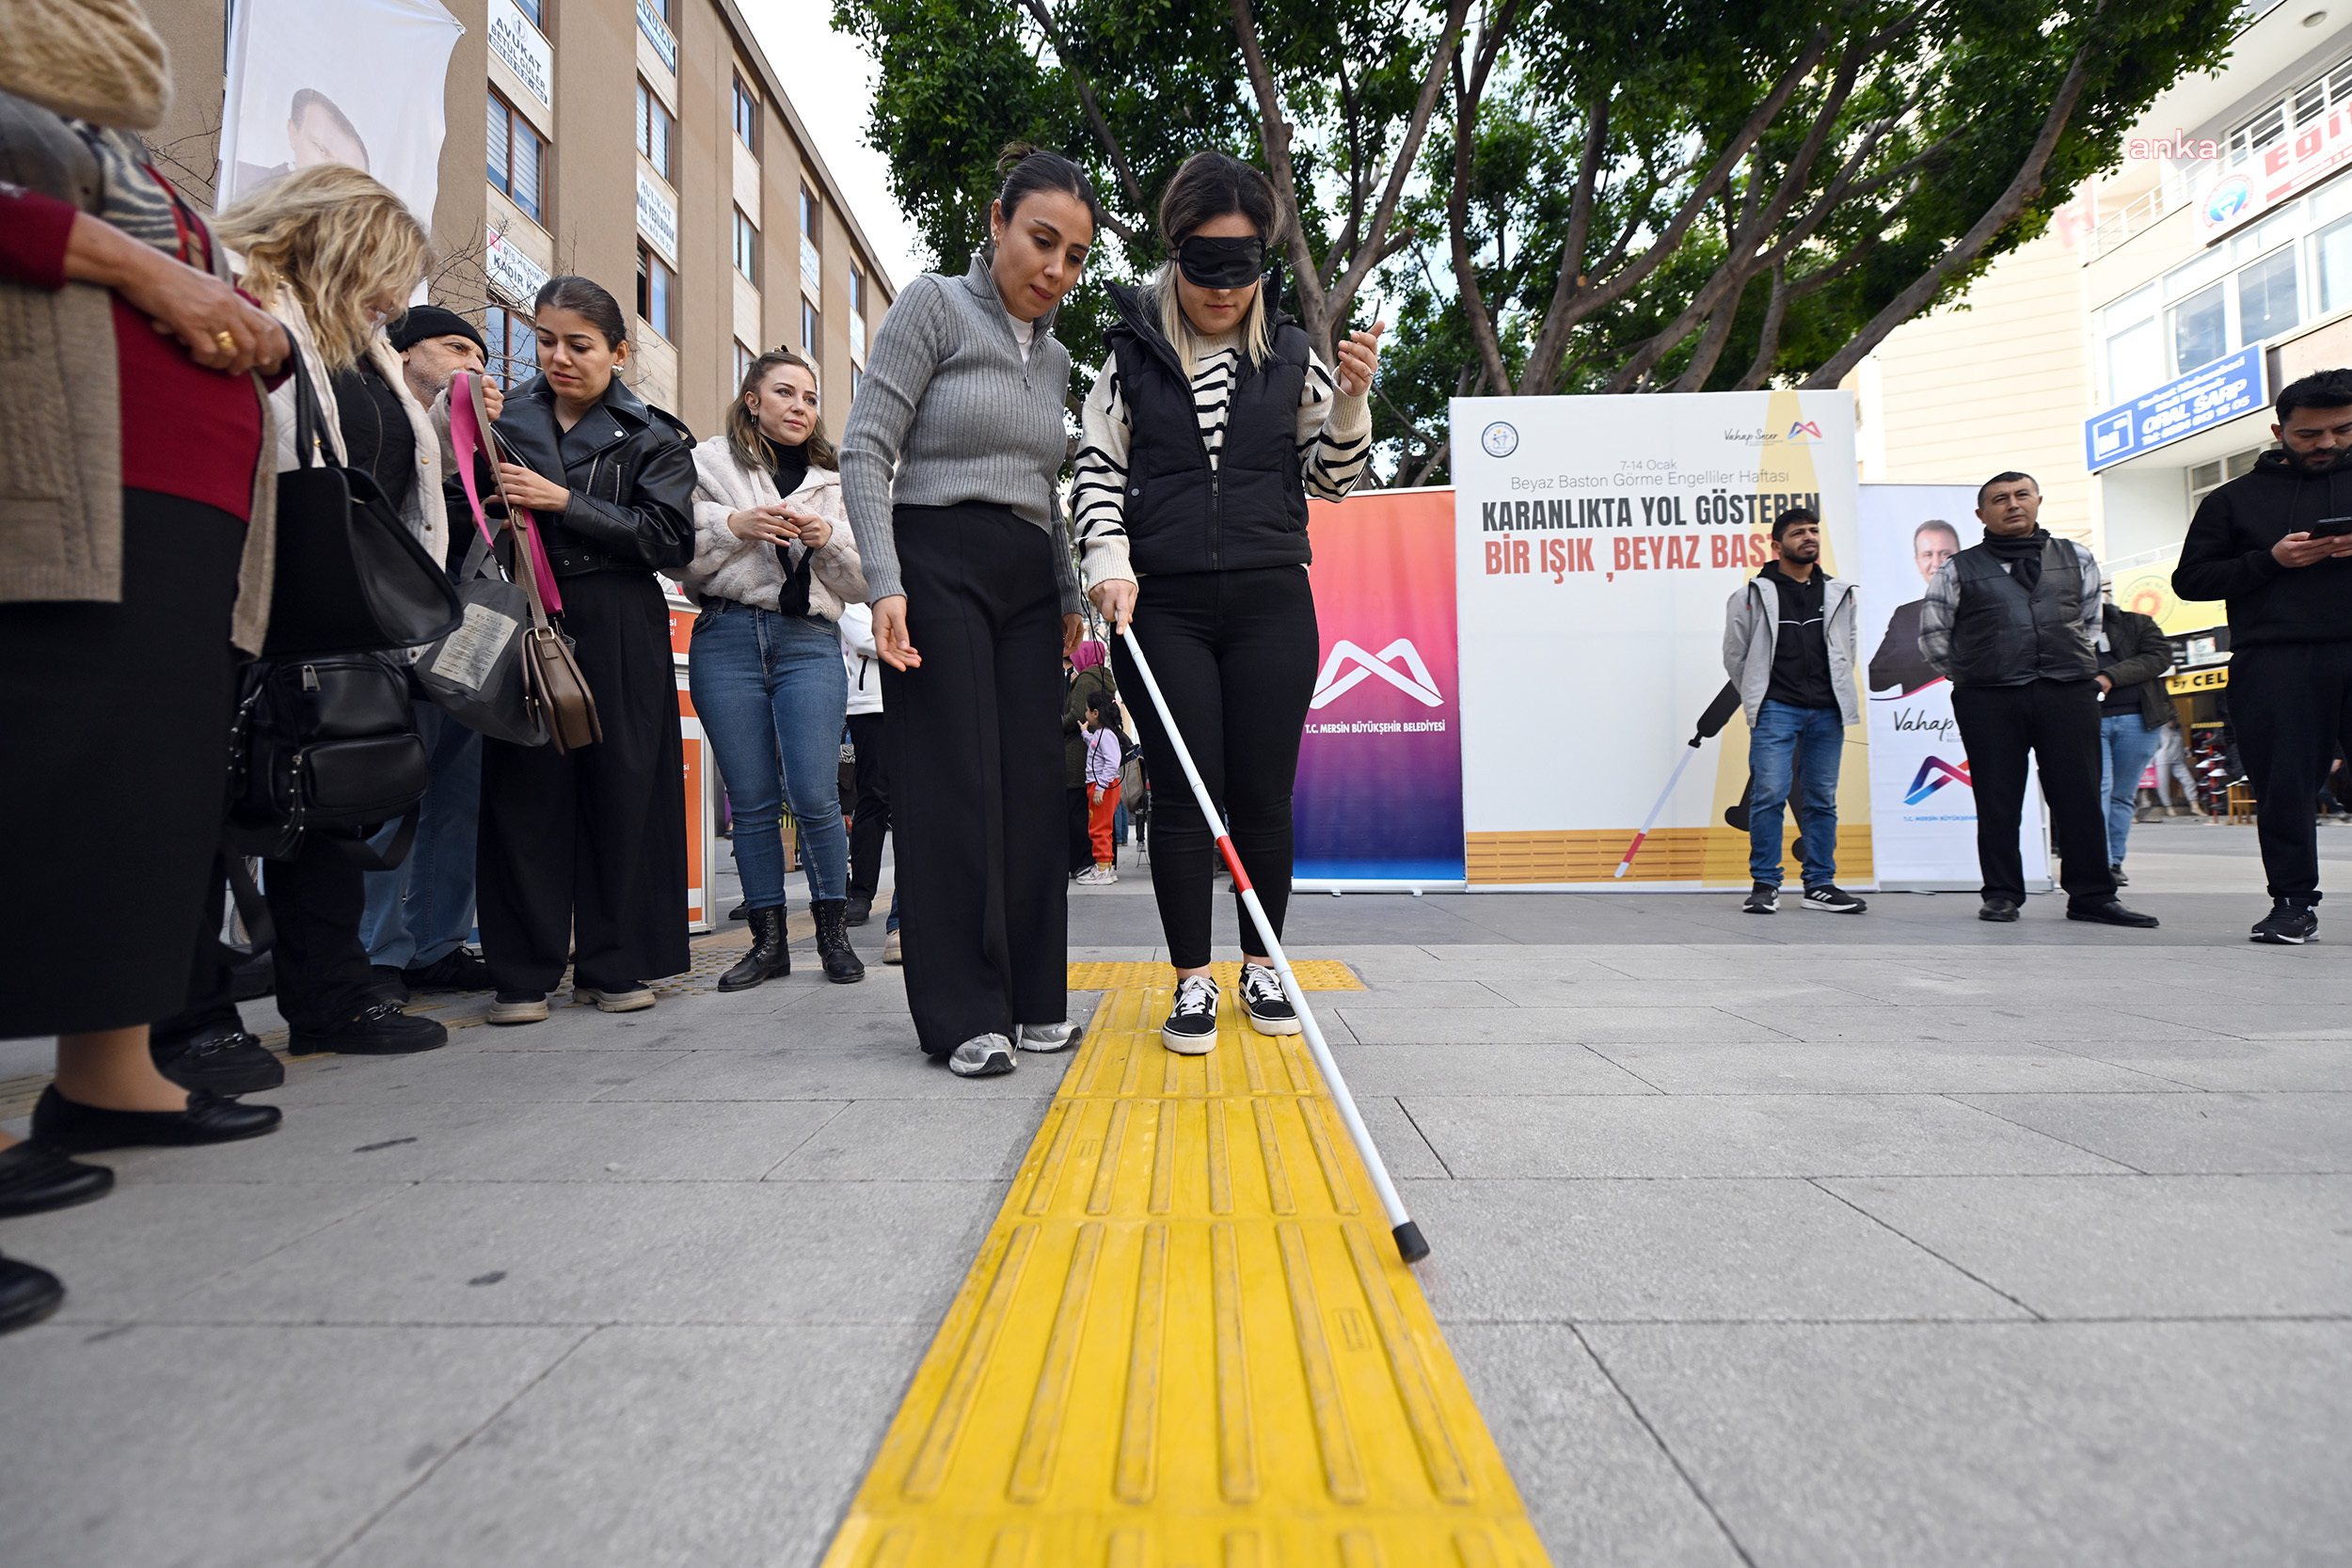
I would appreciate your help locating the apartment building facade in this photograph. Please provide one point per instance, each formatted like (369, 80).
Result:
(646, 144)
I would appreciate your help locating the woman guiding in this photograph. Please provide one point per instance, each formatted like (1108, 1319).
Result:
(949, 465)
(1211, 422)
(583, 854)
(773, 567)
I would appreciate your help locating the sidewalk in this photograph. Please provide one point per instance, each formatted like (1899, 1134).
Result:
(1801, 1240)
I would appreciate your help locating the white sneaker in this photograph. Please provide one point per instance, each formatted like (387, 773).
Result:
(1191, 1026)
(1096, 875)
(982, 1057)
(635, 1000)
(1048, 1037)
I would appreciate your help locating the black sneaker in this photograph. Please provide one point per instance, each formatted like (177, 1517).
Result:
(1764, 899)
(1191, 1026)
(2117, 872)
(1832, 901)
(2291, 923)
(221, 1057)
(459, 969)
(861, 909)
(388, 982)
(1270, 1011)
(381, 1029)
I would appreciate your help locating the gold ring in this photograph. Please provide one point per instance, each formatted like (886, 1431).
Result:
(227, 345)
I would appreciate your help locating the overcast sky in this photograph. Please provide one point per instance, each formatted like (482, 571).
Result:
(830, 79)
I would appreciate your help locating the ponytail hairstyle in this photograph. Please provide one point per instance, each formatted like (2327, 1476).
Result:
(586, 297)
(747, 443)
(1028, 170)
(1210, 186)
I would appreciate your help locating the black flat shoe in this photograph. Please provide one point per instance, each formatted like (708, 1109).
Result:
(75, 1129)
(1997, 909)
(221, 1057)
(35, 1178)
(2113, 913)
(27, 1294)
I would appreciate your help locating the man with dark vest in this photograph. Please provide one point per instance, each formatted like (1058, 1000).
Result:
(2014, 623)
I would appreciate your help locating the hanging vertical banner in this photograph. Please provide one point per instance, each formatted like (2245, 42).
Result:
(1379, 802)
(1922, 805)
(1597, 540)
(357, 81)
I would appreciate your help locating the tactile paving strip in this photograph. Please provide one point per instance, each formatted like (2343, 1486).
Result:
(1188, 1342)
(1313, 974)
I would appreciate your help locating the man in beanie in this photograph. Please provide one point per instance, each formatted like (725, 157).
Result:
(435, 344)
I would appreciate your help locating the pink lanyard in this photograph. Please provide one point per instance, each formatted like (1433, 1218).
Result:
(468, 435)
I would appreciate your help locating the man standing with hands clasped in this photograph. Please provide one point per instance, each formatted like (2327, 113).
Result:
(2014, 623)
(2267, 543)
(1788, 645)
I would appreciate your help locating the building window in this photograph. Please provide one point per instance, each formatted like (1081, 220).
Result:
(514, 346)
(516, 155)
(2334, 265)
(656, 130)
(2205, 478)
(812, 332)
(655, 22)
(856, 373)
(536, 10)
(744, 358)
(2266, 296)
(2201, 330)
(812, 256)
(858, 314)
(746, 246)
(746, 114)
(657, 292)
(2300, 107)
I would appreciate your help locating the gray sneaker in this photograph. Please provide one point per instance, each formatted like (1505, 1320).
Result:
(1048, 1037)
(982, 1057)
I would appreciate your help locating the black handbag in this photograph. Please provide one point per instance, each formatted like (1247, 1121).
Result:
(350, 577)
(477, 674)
(326, 746)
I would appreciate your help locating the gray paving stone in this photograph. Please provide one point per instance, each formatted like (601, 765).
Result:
(1468, 995)
(2024, 1019)
(1695, 989)
(237, 1447)
(655, 1252)
(1911, 1066)
(2170, 1133)
(1597, 1485)
(1697, 1249)
(1483, 1066)
(1678, 1136)
(2284, 1016)
(2134, 1246)
(1986, 1446)
(1545, 1025)
(2264, 1064)
(891, 1071)
(918, 1140)
(653, 1447)
(463, 1074)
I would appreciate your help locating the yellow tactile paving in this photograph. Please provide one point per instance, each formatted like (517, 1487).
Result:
(1313, 974)
(1188, 1342)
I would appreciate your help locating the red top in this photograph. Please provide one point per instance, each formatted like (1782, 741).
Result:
(186, 430)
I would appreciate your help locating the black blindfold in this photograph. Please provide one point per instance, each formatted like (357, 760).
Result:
(1222, 263)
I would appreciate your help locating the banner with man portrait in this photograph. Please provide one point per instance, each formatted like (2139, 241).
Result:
(355, 81)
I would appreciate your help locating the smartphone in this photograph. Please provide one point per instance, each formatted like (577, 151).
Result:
(2330, 527)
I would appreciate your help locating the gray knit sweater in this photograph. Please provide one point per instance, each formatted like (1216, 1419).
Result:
(947, 412)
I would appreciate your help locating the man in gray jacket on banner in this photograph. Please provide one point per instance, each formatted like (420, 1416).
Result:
(1788, 646)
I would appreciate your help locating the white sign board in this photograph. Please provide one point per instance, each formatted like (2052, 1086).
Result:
(357, 81)
(1597, 540)
(1923, 810)
(657, 217)
(524, 49)
(512, 273)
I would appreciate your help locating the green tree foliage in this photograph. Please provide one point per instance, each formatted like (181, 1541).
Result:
(1553, 195)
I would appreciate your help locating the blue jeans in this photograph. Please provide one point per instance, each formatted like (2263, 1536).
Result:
(1780, 729)
(770, 687)
(422, 909)
(2125, 744)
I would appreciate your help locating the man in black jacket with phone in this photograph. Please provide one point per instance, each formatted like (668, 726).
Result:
(2277, 544)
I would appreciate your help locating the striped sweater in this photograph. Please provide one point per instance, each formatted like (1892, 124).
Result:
(1334, 437)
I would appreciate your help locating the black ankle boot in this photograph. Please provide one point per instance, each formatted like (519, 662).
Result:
(833, 941)
(769, 957)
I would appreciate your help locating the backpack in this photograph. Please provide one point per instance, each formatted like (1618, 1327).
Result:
(326, 746)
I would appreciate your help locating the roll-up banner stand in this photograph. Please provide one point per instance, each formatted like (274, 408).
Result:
(1597, 543)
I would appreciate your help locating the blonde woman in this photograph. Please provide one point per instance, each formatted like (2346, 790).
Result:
(333, 254)
(774, 562)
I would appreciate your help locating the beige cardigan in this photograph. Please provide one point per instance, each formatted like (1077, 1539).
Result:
(746, 570)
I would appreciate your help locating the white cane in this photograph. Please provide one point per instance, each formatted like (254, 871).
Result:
(1409, 1244)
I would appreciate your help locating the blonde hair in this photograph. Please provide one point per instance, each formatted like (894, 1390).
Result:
(332, 238)
(1256, 341)
(754, 450)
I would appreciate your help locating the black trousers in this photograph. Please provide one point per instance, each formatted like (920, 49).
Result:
(1081, 845)
(583, 855)
(2058, 723)
(315, 902)
(974, 742)
(869, 814)
(115, 718)
(2291, 705)
(1235, 655)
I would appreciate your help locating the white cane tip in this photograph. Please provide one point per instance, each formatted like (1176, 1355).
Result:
(1622, 869)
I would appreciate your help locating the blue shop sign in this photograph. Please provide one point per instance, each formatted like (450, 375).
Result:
(2220, 391)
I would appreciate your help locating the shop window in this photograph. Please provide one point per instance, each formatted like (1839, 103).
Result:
(746, 114)
(2266, 303)
(516, 157)
(514, 346)
(2201, 330)
(746, 246)
(656, 133)
(657, 292)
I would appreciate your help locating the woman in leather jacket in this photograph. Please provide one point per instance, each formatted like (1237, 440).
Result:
(583, 854)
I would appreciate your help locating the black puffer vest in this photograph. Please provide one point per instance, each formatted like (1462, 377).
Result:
(2003, 636)
(1182, 516)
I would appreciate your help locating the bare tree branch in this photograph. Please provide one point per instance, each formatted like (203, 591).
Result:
(1094, 117)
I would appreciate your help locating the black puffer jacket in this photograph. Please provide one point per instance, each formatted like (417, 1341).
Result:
(2227, 554)
(631, 469)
